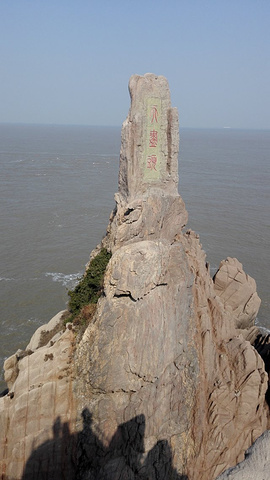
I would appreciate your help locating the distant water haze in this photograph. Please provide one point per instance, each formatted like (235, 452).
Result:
(57, 192)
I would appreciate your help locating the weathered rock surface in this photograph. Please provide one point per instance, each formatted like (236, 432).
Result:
(150, 140)
(48, 332)
(256, 465)
(231, 372)
(37, 415)
(42, 336)
(161, 385)
(237, 291)
(183, 365)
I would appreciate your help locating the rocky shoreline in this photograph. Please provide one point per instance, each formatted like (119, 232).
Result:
(167, 377)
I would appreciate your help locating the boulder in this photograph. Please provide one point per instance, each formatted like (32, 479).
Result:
(11, 370)
(256, 464)
(44, 334)
(237, 290)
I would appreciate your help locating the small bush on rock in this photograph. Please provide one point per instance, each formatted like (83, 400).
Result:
(90, 286)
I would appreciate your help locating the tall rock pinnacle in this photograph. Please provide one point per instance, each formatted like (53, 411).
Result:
(158, 385)
(148, 205)
(150, 139)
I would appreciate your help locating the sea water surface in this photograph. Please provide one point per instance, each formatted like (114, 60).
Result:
(57, 191)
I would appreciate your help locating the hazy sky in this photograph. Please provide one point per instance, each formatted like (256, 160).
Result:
(69, 61)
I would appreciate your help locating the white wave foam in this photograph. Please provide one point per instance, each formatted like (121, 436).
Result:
(33, 321)
(70, 280)
(264, 330)
(213, 270)
(19, 279)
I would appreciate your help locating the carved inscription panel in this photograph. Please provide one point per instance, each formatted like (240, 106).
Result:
(152, 142)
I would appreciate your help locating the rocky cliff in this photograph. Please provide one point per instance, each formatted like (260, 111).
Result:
(159, 384)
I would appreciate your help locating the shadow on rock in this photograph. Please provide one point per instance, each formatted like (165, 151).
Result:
(54, 459)
(83, 456)
(262, 345)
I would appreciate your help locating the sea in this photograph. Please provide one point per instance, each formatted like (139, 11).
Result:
(57, 186)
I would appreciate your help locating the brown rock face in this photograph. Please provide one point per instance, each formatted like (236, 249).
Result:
(160, 386)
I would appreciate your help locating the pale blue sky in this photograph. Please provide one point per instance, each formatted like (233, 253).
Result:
(69, 61)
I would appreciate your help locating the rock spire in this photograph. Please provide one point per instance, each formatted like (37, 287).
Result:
(150, 140)
(160, 384)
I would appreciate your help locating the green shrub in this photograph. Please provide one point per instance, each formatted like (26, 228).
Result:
(90, 286)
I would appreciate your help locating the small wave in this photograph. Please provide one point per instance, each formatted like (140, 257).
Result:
(34, 321)
(263, 329)
(19, 279)
(213, 269)
(70, 280)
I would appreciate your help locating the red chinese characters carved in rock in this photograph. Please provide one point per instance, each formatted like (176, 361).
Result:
(151, 162)
(153, 140)
(154, 114)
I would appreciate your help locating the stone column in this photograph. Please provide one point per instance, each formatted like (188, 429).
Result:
(148, 206)
(150, 140)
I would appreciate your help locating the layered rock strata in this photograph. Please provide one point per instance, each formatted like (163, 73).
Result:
(161, 385)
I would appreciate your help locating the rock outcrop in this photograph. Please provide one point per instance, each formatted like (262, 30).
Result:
(256, 464)
(38, 414)
(237, 291)
(160, 385)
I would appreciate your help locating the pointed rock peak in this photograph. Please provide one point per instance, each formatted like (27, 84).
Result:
(150, 140)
